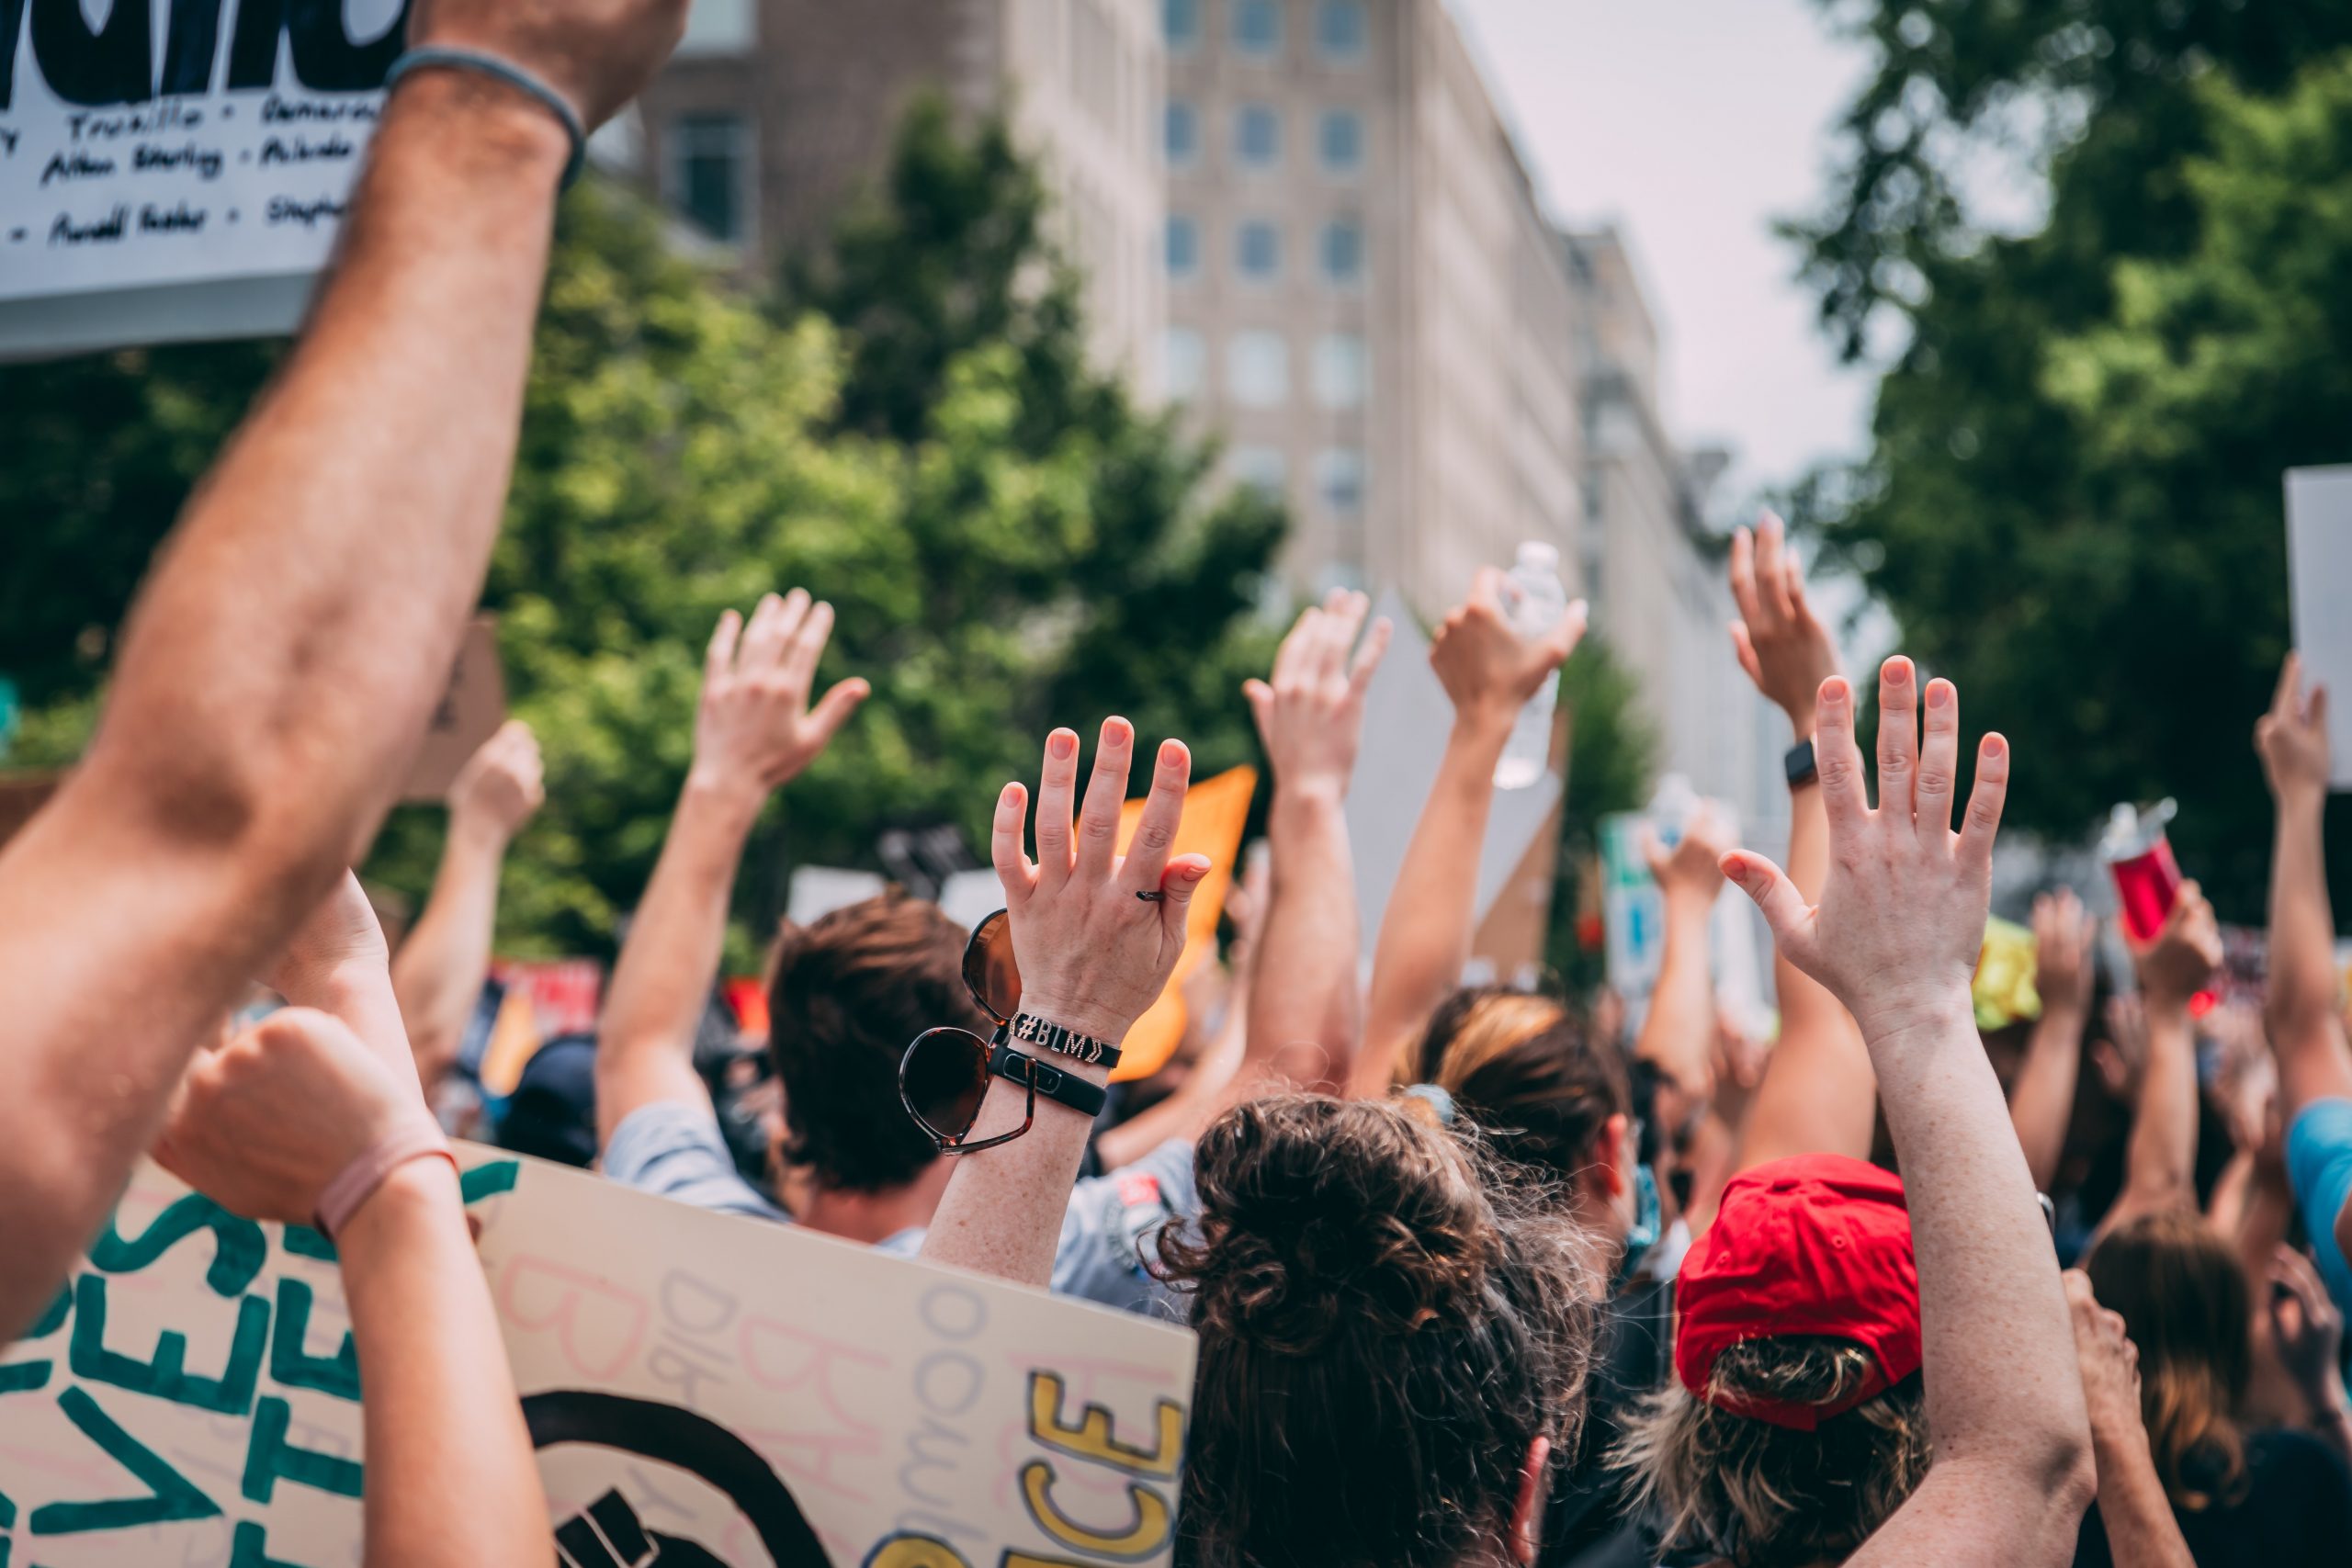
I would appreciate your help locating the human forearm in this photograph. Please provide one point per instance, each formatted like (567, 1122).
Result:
(438, 973)
(2141, 1529)
(662, 980)
(1305, 1022)
(443, 1428)
(1677, 1033)
(2043, 1102)
(1002, 1213)
(1427, 929)
(2161, 1154)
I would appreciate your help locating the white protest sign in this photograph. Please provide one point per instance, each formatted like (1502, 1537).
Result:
(178, 169)
(1406, 717)
(701, 1389)
(2319, 571)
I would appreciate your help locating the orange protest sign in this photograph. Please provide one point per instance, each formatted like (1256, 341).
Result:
(1215, 810)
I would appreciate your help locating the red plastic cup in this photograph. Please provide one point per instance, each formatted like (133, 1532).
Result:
(2139, 856)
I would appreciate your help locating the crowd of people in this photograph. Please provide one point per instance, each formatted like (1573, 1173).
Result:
(1475, 1279)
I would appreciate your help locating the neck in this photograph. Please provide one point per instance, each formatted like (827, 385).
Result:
(877, 1216)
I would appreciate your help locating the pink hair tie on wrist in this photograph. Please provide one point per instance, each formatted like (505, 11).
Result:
(358, 1182)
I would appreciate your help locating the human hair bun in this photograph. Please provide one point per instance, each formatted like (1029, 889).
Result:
(1318, 1214)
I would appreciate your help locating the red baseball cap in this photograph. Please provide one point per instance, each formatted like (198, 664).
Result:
(1817, 1244)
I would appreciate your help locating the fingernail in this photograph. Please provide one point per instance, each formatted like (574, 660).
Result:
(1938, 694)
(1172, 752)
(1995, 747)
(1061, 743)
(1835, 691)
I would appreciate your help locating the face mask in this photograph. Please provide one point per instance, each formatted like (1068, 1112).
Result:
(1647, 1218)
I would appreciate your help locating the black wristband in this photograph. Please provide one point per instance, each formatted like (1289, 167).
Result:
(1803, 768)
(1063, 1041)
(1061, 1088)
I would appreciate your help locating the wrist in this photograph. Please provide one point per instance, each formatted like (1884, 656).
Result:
(1483, 724)
(477, 830)
(1096, 1022)
(412, 1193)
(1317, 793)
(478, 125)
(1685, 904)
(729, 797)
(1926, 1019)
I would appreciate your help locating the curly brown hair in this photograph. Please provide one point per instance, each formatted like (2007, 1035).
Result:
(1385, 1325)
(2185, 1302)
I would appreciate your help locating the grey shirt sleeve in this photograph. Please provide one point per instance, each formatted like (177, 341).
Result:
(1109, 1251)
(673, 1148)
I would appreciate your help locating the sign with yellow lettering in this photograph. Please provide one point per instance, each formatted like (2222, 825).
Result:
(701, 1388)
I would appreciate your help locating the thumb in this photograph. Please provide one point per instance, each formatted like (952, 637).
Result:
(1744, 650)
(1652, 852)
(1178, 882)
(1564, 638)
(1782, 907)
(834, 709)
(1262, 707)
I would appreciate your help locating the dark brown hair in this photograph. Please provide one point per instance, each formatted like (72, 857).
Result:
(1384, 1327)
(845, 997)
(1524, 1068)
(2185, 1302)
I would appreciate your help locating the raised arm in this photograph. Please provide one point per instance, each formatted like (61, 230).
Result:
(2160, 1160)
(437, 975)
(2064, 974)
(281, 664)
(1096, 935)
(2132, 1507)
(754, 732)
(1309, 1014)
(1896, 938)
(1818, 1096)
(1679, 1032)
(266, 1126)
(1489, 674)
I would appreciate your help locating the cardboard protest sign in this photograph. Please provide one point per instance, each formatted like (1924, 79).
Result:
(1216, 811)
(2319, 571)
(471, 709)
(701, 1389)
(178, 171)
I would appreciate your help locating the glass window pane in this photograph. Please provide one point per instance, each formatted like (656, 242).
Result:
(1258, 251)
(1262, 468)
(1344, 251)
(1257, 26)
(1257, 369)
(1342, 370)
(1179, 21)
(1341, 142)
(707, 169)
(718, 27)
(1339, 29)
(1184, 132)
(1184, 246)
(1183, 356)
(1338, 480)
(1257, 136)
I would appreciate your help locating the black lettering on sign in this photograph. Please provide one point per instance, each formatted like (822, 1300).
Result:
(113, 65)
(325, 58)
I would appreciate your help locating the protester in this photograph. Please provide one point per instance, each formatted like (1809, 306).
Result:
(315, 1116)
(281, 665)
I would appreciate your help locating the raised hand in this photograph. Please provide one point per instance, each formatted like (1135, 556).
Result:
(1311, 714)
(1692, 870)
(2308, 1329)
(266, 1123)
(2064, 935)
(1901, 920)
(2183, 956)
(1489, 670)
(755, 730)
(341, 935)
(597, 53)
(1780, 642)
(2110, 1362)
(1096, 933)
(502, 787)
(2292, 737)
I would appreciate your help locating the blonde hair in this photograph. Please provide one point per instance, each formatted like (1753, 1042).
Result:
(1768, 1496)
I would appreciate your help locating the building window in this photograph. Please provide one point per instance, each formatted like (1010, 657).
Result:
(1262, 468)
(709, 173)
(1184, 246)
(1342, 370)
(1180, 22)
(1339, 29)
(1344, 251)
(1257, 369)
(1183, 134)
(1257, 136)
(1258, 251)
(720, 27)
(1184, 363)
(1257, 26)
(1340, 142)
(1338, 480)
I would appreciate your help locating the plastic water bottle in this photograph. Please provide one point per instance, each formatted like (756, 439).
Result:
(1672, 808)
(1535, 599)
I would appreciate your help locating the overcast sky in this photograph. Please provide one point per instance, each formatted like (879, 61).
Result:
(1693, 124)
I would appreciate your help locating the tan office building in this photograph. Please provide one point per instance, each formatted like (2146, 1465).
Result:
(1364, 299)
(773, 112)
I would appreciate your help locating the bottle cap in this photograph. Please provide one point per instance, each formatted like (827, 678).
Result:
(1538, 555)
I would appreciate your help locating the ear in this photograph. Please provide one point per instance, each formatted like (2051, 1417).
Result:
(1527, 1514)
(1616, 1162)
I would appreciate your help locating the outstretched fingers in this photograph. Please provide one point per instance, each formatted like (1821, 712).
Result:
(1368, 656)
(1982, 823)
(1163, 814)
(1056, 796)
(1106, 791)
(1898, 737)
(1837, 757)
(1013, 867)
(1777, 898)
(720, 657)
(1939, 764)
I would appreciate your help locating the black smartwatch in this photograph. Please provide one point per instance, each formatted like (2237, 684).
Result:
(1801, 767)
(1061, 1088)
(1063, 1041)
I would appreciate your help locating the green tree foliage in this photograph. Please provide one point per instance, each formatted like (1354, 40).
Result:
(1612, 754)
(2072, 501)
(1024, 549)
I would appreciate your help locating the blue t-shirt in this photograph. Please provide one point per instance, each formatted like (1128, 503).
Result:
(673, 1148)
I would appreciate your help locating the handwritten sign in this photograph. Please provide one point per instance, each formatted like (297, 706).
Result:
(700, 1389)
(2319, 572)
(178, 168)
(471, 708)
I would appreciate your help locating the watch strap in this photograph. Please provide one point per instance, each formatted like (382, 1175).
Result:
(1062, 1041)
(1800, 763)
(1057, 1084)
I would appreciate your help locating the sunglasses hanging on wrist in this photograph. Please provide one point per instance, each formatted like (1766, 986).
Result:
(944, 1076)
